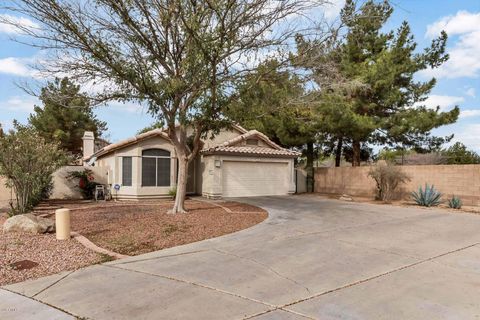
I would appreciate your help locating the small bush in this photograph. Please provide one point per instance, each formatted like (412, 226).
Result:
(172, 192)
(428, 197)
(86, 182)
(455, 203)
(387, 177)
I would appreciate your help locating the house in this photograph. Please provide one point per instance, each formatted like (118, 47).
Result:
(235, 163)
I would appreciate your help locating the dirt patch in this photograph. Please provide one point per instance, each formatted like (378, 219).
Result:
(145, 227)
(26, 256)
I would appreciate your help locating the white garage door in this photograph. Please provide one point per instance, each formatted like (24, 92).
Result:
(247, 179)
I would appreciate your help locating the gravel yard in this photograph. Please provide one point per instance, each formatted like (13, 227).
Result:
(129, 228)
(52, 256)
(133, 229)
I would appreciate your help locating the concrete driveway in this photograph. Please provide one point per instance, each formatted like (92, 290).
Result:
(313, 258)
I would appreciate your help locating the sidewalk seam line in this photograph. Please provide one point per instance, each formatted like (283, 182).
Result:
(196, 284)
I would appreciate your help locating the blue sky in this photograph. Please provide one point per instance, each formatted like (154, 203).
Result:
(458, 79)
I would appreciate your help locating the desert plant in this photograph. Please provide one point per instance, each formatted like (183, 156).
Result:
(28, 161)
(455, 203)
(387, 177)
(427, 197)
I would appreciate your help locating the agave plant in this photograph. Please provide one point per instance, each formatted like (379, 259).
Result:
(455, 203)
(427, 197)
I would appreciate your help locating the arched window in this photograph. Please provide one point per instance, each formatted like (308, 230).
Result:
(155, 168)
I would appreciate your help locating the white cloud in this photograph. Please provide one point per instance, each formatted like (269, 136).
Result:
(469, 113)
(23, 104)
(462, 22)
(15, 66)
(8, 22)
(464, 61)
(469, 136)
(21, 67)
(471, 92)
(444, 102)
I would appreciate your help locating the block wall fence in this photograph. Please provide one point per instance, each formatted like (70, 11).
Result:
(460, 180)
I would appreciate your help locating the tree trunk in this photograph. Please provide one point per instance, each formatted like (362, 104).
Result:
(179, 206)
(356, 153)
(309, 167)
(338, 152)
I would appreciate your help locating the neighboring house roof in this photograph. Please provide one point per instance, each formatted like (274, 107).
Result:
(229, 147)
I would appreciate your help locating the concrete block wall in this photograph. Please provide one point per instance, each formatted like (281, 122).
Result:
(460, 180)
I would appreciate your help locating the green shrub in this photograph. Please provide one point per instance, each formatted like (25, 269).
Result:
(27, 161)
(427, 197)
(455, 203)
(172, 192)
(387, 177)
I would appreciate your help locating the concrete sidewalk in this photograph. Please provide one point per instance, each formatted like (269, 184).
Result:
(312, 258)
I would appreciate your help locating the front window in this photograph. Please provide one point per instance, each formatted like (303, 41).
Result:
(155, 168)
(127, 171)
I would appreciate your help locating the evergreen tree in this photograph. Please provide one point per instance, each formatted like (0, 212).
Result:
(459, 154)
(373, 96)
(65, 115)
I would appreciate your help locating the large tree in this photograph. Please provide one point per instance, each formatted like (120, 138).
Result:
(180, 57)
(65, 115)
(373, 92)
(271, 100)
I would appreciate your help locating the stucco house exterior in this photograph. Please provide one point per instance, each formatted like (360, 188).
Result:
(235, 163)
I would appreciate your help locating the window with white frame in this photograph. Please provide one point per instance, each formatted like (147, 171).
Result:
(155, 168)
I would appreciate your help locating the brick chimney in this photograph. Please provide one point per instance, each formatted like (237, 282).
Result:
(88, 144)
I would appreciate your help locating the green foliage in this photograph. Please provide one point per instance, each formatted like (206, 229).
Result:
(455, 203)
(459, 154)
(28, 161)
(86, 182)
(65, 115)
(427, 197)
(372, 94)
(268, 101)
(172, 192)
(387, 178)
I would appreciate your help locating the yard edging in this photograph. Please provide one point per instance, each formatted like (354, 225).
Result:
(92, 246)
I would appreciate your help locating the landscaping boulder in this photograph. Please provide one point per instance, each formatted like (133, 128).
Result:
(29, 223)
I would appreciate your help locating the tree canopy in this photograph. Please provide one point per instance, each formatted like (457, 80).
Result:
(179, 57)
(65, 115)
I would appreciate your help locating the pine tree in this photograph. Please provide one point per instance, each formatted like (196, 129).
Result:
(65, 115)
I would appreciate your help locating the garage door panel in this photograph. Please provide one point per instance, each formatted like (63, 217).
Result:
(245, 179)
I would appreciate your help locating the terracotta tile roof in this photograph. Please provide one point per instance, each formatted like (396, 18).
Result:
(247, 150)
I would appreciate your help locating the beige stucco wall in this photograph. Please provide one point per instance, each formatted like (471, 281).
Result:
(460, 180)
(112, 163)
(5, 194)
